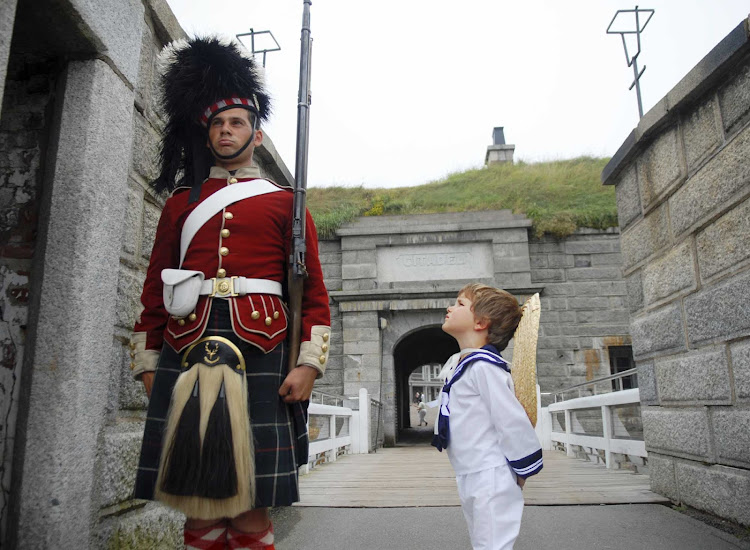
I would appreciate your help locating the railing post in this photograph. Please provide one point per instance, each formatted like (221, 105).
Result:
(332, 428)
(607, 432)
(568, 432)
(364, 421)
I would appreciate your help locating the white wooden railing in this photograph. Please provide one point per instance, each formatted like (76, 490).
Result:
(335, 430)
(594, 422)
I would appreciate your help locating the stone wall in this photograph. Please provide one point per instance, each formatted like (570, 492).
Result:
(78, 144)
(391, 277)
(24, 130)
(583, 306)
(683, 197)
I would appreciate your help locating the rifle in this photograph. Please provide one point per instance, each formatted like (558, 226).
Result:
(297, 268)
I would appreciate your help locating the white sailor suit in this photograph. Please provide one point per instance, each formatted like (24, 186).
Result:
(490, 441)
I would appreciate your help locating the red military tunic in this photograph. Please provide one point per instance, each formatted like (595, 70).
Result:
(249, 238)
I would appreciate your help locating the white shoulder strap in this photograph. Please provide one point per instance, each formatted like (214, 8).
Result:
(216, 202)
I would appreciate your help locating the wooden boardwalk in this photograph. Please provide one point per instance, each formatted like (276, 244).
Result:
(418, 475)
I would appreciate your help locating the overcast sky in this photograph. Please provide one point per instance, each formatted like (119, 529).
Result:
(408, 91)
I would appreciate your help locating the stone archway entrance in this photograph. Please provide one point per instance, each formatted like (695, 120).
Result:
(423, 346)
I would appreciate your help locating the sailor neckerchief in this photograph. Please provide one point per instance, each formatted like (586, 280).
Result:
(453, 374)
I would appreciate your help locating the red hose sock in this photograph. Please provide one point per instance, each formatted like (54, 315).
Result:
(213, 537)
(239, 540)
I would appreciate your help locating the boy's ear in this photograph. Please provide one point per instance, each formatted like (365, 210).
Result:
(481, 323)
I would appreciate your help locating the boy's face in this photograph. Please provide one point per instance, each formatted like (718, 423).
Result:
(460, 318)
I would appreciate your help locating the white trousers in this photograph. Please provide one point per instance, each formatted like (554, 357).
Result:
(492, 503)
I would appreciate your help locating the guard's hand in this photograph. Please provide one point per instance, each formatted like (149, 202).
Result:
(148, 382)
(298, 384)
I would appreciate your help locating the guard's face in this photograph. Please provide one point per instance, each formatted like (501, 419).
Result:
(460, 318)
(228, 132)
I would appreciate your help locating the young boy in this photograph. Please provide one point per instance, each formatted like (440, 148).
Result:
(490, 441)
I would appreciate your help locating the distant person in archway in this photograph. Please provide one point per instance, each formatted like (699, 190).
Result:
(417, 398)
(491, 443)
(422, 410)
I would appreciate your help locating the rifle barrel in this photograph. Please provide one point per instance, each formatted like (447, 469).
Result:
(297, 268)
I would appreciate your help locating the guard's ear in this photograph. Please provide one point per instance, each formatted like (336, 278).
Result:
(258, 139)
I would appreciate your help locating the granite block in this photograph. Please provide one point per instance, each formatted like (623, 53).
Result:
(720, 312)
(711, 187)
(661, 471)
(129, 288)
(547, 275)
(700, 133)
(740, 353)
(590, 246)
(669, 274)
(647, 383)
(121, 451)
(658, 330)
(680, 431)
(634, 287)
(734, 99)
(696, 376)
(721, 490)
(628, 197)
(153, 527)
(151, 215)
(359, 271)
(593, 273)
(723, 244)
(645, 237)
(132, 220)
(659, 167)
(732, 435)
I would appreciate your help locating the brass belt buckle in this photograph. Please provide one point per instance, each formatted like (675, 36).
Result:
(223, 287)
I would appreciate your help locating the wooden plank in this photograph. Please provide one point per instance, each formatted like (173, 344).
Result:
(417, 476)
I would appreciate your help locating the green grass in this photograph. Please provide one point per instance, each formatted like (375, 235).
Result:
(558, 197)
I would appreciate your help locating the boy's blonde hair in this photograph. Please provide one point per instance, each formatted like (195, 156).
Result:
(498, 307)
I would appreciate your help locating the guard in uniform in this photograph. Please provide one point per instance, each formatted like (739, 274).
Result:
(226, 426)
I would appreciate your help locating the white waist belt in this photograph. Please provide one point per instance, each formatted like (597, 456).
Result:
(238, 286)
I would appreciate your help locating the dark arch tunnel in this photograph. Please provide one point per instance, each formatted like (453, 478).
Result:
(421, 347)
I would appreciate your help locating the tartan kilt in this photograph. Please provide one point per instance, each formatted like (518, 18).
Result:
(279, 430)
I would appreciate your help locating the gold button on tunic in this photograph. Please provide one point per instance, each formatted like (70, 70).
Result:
(225, 233)
(192, 317)
(268, 321)
(224, 251)
(255, 315)
(221, 273)
(232, 180)
(228, 215)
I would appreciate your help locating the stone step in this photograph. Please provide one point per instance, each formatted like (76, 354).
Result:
(152, 527)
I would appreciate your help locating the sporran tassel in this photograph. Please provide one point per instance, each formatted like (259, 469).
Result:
(181, 466)
(218, 477)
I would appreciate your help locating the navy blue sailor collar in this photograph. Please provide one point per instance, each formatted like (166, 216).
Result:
(488, 353)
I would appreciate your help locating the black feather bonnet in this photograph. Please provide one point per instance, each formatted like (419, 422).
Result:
(201, 77)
